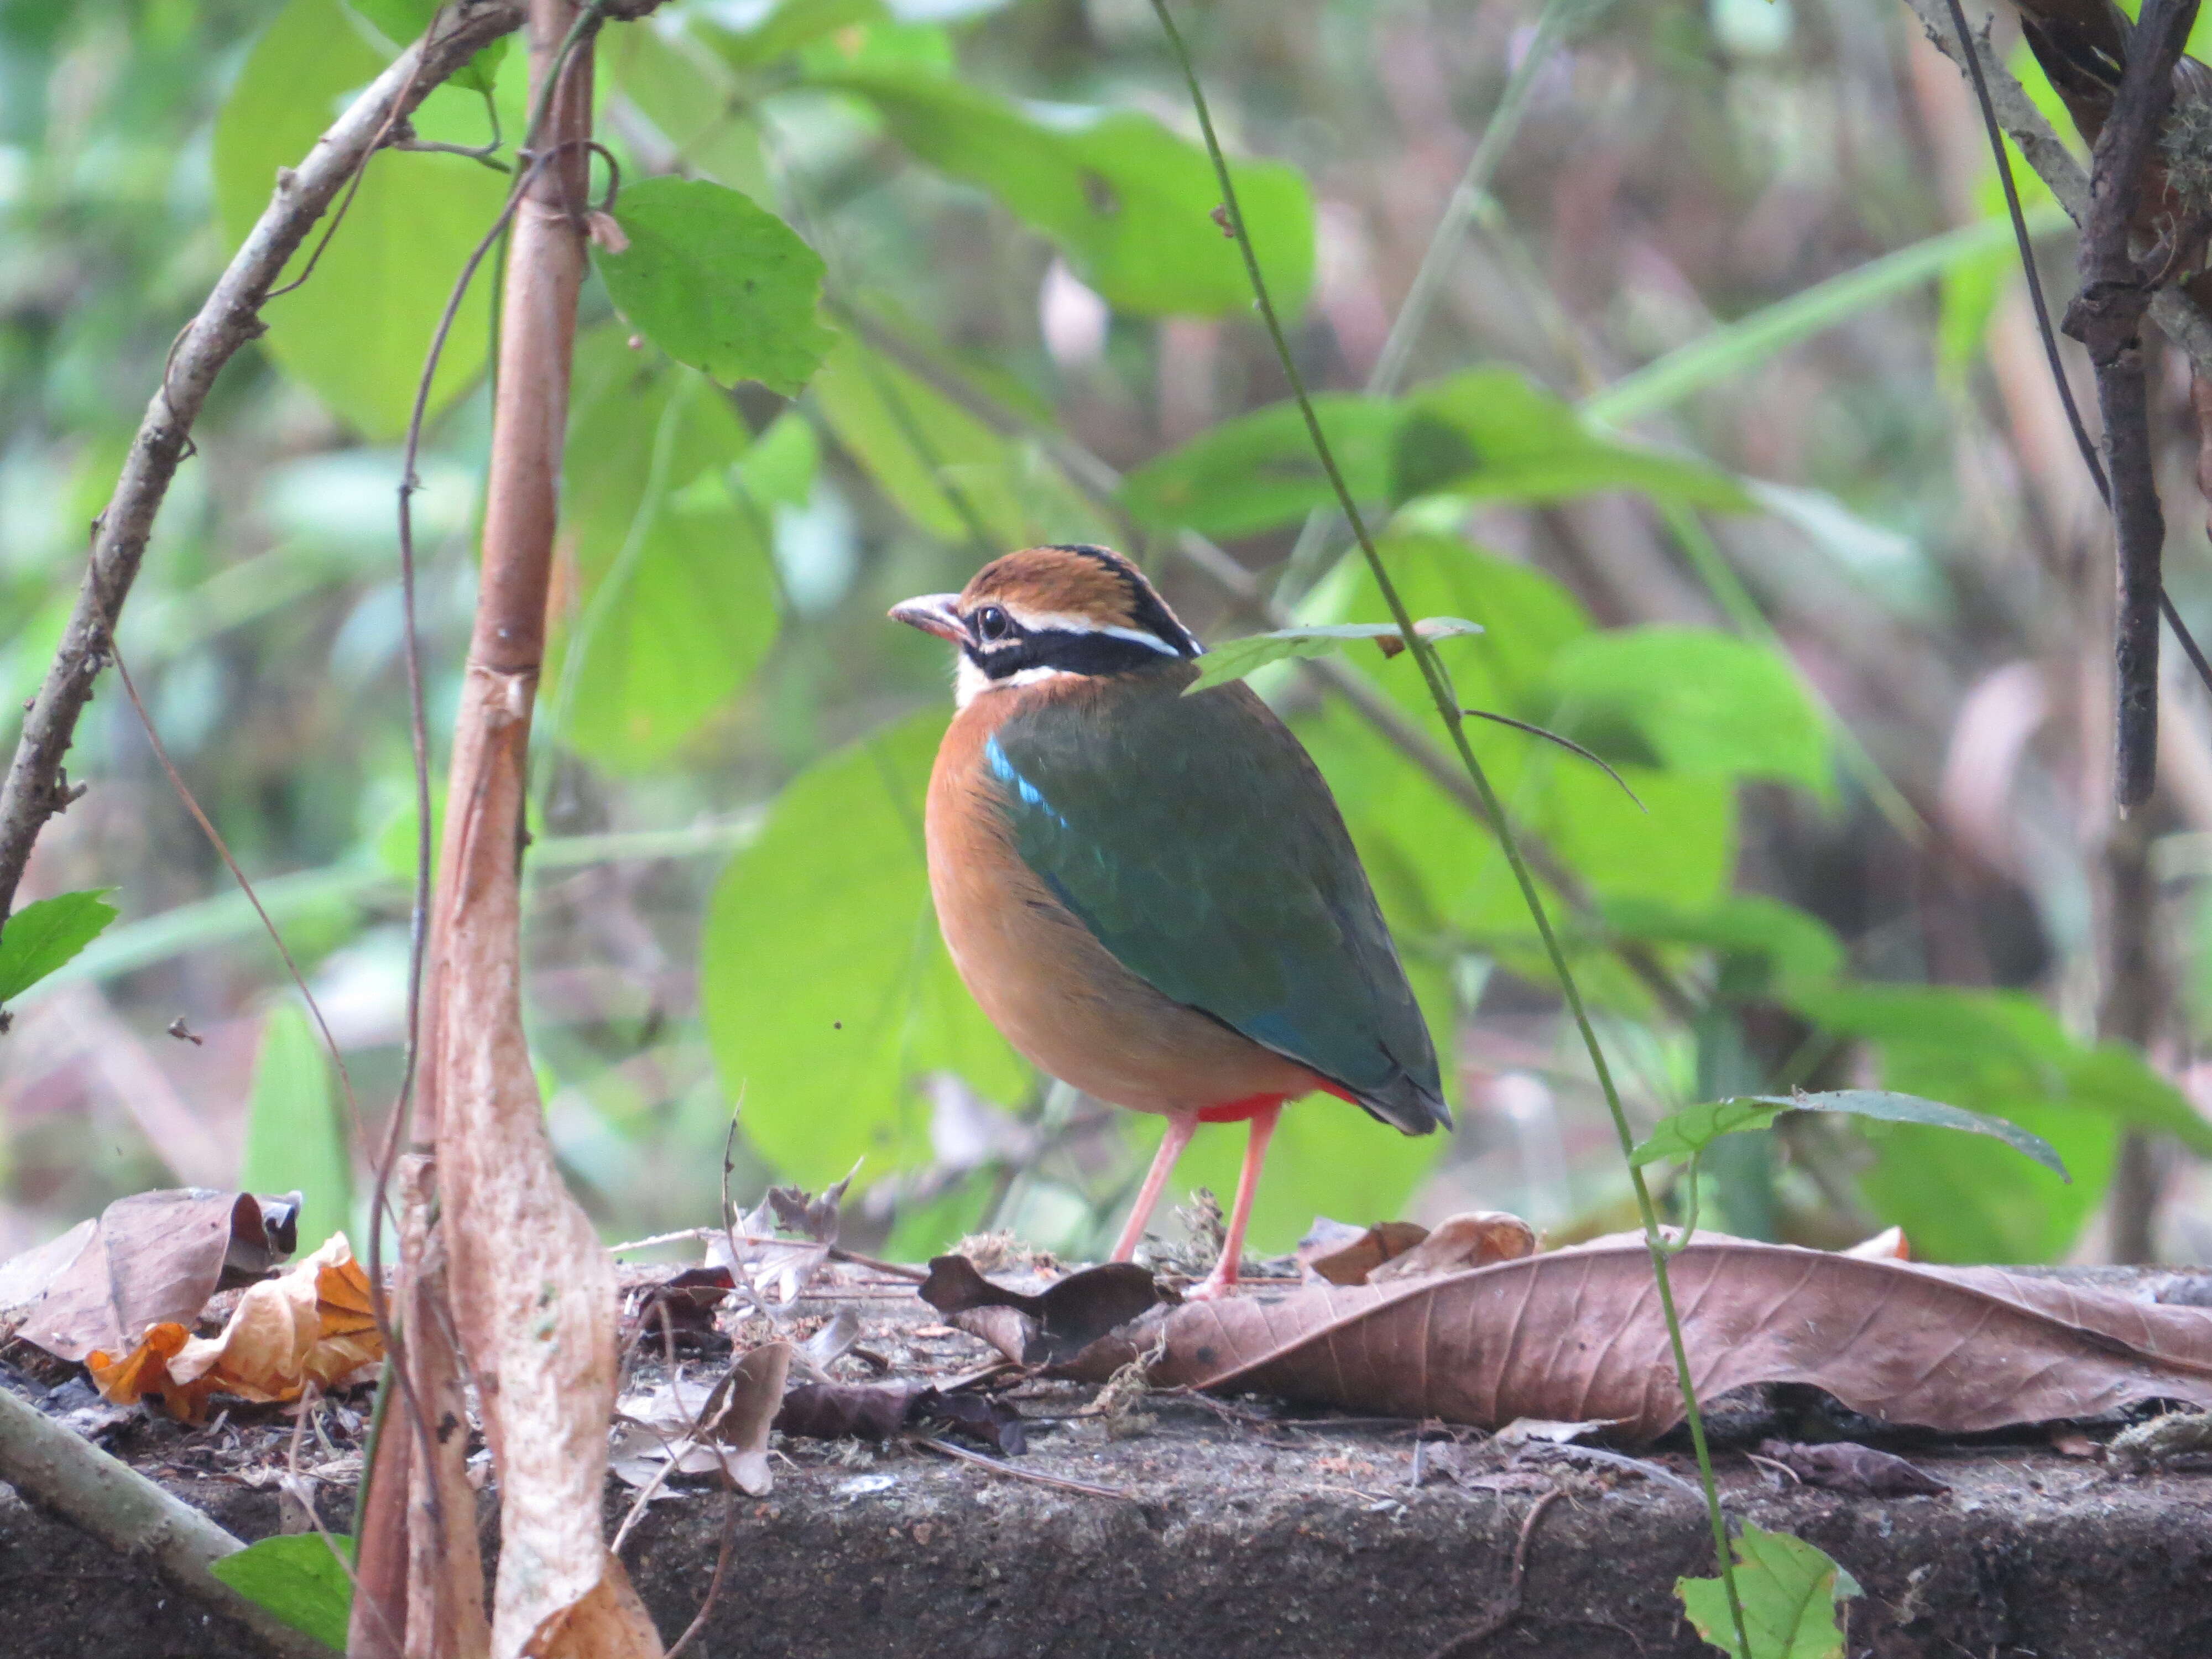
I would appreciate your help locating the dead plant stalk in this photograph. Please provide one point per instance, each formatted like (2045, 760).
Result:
(532, 1292)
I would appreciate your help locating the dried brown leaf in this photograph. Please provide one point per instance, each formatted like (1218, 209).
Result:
(153, 1258)
(1474, 1239)
(840, 1411)
(1575, 1334)
(1068, 1317)
(752, 1394)
(310, 1324)
(1342, 1253)
(1845, 1466)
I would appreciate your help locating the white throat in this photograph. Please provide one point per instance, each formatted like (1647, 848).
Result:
(970, 682)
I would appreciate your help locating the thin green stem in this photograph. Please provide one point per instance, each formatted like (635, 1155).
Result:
(1448, 710)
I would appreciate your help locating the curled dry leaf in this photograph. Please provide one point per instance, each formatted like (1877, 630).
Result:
(1474, 1239)
(1062, 1322)
(1575, 1334)
(836, 1411)
(1342, 1253)
(312, 1323)
(842, 1411)
(687, 1427)
(1845, 1466)
(152, 1258)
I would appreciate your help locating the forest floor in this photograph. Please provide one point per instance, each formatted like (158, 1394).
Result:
(1186, 1526)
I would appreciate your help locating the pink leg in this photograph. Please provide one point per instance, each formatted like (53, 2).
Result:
(1180, 1130)
(1223, 1279)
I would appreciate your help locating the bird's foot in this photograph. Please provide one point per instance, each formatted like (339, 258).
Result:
(1221, 1282)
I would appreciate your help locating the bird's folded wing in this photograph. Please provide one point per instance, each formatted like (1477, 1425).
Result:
(1197, 841)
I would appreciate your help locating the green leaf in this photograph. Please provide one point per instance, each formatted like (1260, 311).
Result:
(294, 1138)
(41, 937)
(678, 607)
(932, 458)
(1233, 659)
(299, 1578)
(2002, 1053)
(1785, 945)
(1490, 435)
(677, 83)
(403, 23)
(718, 282)
(1258, 471)
(825, 987)
(1790, 1589)
(789, 26)
(1439, 875)
(1128, 203)
(357, 333)
(1687, 1133)
(1695, 700)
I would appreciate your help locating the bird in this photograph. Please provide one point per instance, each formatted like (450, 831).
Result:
(1153, 895)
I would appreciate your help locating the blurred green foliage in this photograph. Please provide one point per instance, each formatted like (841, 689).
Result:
(904, 286)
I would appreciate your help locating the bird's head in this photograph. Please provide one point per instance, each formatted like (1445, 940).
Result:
(1049, 612)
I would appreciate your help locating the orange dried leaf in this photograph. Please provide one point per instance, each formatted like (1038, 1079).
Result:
(276, 1340)
(126, 1379)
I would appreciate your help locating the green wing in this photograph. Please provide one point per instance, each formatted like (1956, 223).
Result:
(1196, 840)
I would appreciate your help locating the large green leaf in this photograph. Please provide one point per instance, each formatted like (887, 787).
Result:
(299, 1577)
(43, 936)
(1699, 702)
(2004, 1053)
(1128, 203)
(825, 987)
(1490, 433)
(1790, 1591)
(718, 281)
(1443, 884)
(294, 1138)
(942, 468)
(678, 602)
(680, 86)
(1689, 1132)
(1485, 433)
(1258, 471)
(357, 333)
(789, 26)
(1790, 948)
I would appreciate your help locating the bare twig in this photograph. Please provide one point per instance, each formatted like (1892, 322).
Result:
(35, 789)
(721, 1566)
(2106, 316)
(1507, 1608)
(70, 1478)
(947, 1449)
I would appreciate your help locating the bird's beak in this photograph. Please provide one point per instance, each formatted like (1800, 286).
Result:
(933, 613)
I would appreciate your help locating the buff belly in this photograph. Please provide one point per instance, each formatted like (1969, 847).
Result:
(1059, 997)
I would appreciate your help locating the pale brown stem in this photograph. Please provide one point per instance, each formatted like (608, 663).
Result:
(532, 1290)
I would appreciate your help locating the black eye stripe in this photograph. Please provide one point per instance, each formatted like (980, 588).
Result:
(1066, 649)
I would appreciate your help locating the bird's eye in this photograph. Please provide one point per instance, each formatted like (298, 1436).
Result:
(992, 623)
